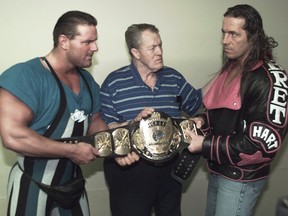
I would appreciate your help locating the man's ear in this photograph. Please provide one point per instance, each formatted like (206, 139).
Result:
(135, 53)
(63, 41)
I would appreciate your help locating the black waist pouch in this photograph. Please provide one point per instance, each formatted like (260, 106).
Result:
(68, 194)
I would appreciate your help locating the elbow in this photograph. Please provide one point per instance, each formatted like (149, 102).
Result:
(8, 142)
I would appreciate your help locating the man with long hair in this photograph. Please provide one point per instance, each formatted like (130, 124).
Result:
(246, 117)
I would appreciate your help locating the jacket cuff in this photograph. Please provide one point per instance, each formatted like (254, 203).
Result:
(206, 147)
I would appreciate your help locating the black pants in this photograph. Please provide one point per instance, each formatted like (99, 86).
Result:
(136, 190)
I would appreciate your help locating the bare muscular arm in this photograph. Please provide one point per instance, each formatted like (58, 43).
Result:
(98, 124)
(15, 117)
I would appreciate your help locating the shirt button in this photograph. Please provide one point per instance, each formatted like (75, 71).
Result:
(234, 103)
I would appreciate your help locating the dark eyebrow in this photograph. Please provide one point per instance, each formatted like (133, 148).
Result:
(89, 41)
(229, 32)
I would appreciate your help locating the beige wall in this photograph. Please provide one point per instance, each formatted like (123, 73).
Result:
(190, 31)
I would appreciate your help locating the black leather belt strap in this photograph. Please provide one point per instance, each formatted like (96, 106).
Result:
(186, 162)
(185, 165)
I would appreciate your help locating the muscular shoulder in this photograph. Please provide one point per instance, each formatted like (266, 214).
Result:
(29, 71)
(33, 82)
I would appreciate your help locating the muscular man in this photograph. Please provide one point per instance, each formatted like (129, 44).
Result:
(30, 99)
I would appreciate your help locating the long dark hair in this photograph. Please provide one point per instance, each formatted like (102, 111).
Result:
(261, 45)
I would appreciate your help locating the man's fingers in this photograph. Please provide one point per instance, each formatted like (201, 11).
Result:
(127, 160)
(190, 133)
(134, 156)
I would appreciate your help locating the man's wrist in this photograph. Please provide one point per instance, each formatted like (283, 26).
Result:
(131, 122)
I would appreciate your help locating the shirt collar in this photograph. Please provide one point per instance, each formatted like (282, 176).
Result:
(137, 78)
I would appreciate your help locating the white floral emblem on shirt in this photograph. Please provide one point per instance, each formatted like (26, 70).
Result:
(78, 115)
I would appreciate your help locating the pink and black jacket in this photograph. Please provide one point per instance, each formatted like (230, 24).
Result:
(246, 122)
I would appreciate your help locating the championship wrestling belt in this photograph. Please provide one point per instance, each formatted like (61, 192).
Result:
(157, 138)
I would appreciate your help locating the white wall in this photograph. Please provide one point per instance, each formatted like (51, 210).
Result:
(190, 31)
